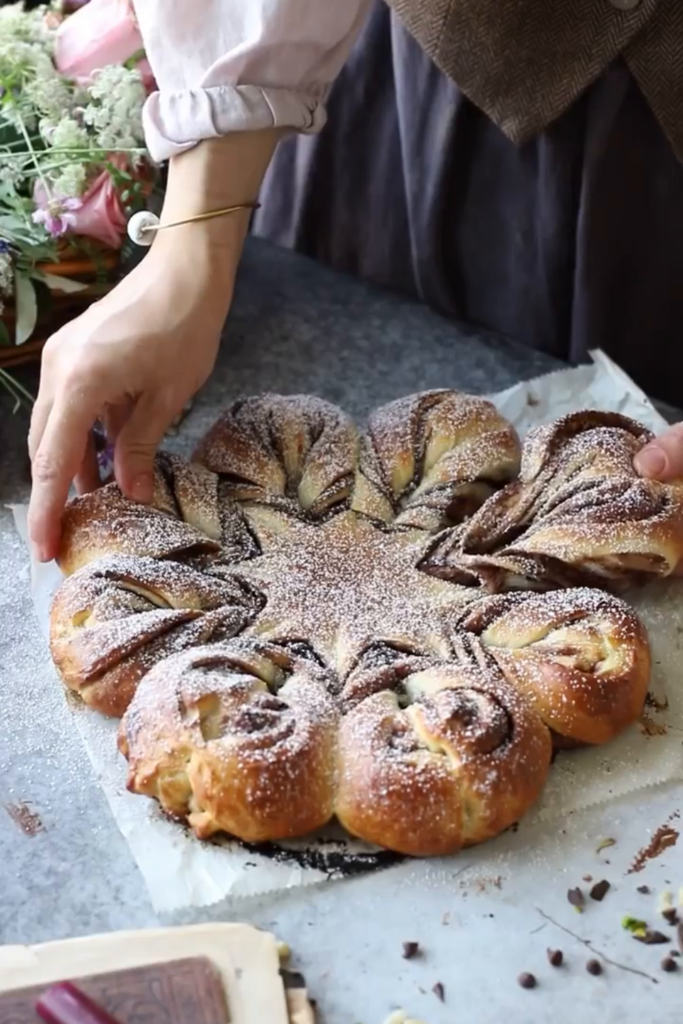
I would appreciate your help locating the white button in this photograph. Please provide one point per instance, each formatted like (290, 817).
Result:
(624, 5)
(138, 227)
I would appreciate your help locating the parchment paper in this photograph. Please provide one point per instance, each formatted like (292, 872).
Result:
(180, 872)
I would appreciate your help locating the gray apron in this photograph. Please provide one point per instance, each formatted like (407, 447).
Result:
(570, 242)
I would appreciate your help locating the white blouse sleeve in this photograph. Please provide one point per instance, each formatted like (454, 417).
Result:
(233, 65)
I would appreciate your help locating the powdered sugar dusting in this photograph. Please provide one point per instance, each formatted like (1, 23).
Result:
(578, 511)
(298, 571)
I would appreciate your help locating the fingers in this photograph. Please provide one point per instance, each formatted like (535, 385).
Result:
(39, 418)
(136, 447)
(56, 461)
(115, 417)
(662, 459)
(88, 476)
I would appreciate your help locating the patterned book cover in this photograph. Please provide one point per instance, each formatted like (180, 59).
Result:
(178, 992)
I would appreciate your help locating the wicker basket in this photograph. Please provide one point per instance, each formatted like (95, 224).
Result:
(99, 274)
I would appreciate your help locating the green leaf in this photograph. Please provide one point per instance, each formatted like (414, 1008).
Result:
(634, 926)
(27, 309)
(59, 283)
(134, 60)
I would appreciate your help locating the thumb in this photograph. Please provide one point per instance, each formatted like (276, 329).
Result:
(662, 459)
(136, 447)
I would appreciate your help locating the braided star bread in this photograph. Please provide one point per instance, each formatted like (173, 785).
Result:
(294, 629)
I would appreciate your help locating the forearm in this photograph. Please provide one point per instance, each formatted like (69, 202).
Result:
(215, 174)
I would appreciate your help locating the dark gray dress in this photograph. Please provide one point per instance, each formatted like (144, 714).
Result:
(573, 241)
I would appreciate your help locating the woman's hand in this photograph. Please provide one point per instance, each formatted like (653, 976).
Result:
(132, 360)
(662, 459)
(136, 357)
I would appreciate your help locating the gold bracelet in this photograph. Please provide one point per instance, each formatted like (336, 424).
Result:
(144, 224)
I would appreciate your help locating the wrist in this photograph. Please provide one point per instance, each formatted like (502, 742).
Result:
(215, 174)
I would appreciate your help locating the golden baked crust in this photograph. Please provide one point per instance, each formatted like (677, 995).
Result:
(432, 459)
(239, 738)
(462, 762)
(115, 618)
(581, 656)
(287, 628)
(579, 513)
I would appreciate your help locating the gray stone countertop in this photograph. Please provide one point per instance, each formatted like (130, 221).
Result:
(295, 327)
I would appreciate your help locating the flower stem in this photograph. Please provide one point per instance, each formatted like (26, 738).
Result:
(102, 153)
(34, 156)
(18, 392)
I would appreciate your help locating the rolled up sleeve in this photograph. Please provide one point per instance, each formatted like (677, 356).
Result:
(235, 65)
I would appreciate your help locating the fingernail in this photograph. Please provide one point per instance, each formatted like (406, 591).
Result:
(39, 553)
(141, 488)
(651, 462)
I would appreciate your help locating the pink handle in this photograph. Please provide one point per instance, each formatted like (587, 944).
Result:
(64, 1003)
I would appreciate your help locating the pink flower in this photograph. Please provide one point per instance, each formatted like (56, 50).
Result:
(58, 215)
(101, 33)
(98, 214)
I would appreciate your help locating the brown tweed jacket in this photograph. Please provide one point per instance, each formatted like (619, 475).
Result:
(524, 62)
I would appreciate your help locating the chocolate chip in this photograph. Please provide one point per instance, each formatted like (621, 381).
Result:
(670, 915)
(644, 889)
(594, 967)
(292, 979)
(410, 949)
(669, 965)
(652, 938)
(679, 936)
(439, 991)
(555, 957)
(600, 890)
(527, 980)
(576, 898)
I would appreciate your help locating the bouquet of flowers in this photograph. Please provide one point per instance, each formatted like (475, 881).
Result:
(73, 163)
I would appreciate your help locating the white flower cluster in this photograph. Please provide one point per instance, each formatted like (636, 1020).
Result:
(71, 140)
(47, 91)
(6, 277)
(23, 26)
(35, 86)
(115, 108)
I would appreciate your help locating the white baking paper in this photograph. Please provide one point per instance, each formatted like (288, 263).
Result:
(181, 872)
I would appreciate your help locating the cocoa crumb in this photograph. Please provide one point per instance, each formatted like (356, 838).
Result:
(587, 878)
(665, 837)
(594, 967)
(555, 957)
(577, 899)
(439, 991)
(600, 890)
(410, 950)
(644, 889)
(27, 820)
(527, 980)
(669, 965)
(652, 938)
(670, 915)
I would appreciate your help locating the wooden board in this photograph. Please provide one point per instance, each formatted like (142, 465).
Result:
(246, 959)
(174, 992)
